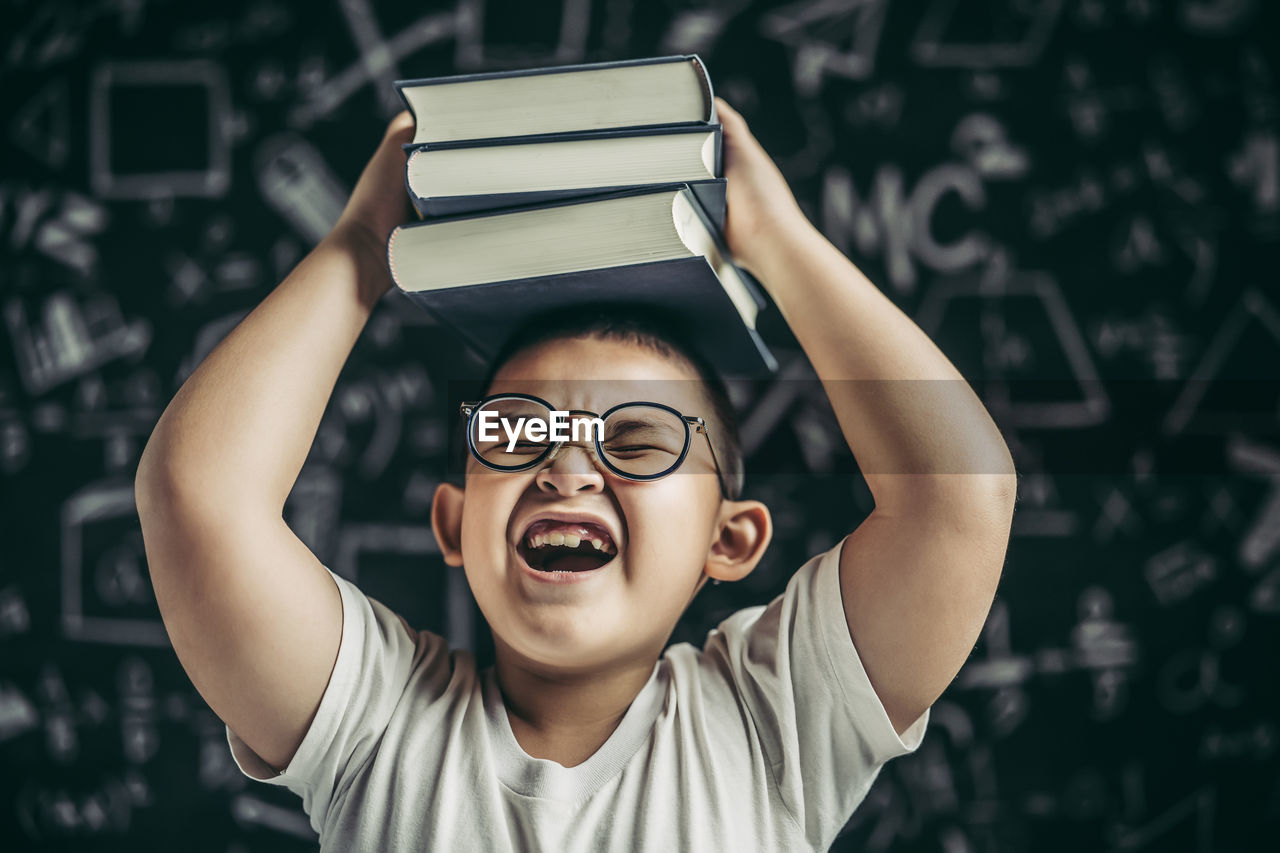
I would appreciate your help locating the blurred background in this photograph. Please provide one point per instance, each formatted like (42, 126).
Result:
(1079, 200)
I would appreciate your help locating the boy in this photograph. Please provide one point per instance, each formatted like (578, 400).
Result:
(586, 734)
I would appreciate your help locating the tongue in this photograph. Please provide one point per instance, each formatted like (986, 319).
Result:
(571, 563)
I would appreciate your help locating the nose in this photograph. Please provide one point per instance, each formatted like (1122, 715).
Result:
(567, 472)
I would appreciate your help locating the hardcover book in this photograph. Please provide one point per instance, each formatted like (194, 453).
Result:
(456, 177)
(482, 273)
(662, 90)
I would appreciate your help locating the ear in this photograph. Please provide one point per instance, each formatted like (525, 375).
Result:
(744, 529)
(446, 521)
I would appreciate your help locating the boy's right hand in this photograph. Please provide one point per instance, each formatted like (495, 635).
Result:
(379, 201)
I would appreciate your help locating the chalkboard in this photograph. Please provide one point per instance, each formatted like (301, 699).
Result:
(1078, 200)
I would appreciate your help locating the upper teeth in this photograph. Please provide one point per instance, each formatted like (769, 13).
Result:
(567, 539)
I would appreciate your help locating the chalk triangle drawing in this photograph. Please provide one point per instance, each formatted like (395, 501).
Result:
(838, 37)
(1015, 340)
(1233, 388)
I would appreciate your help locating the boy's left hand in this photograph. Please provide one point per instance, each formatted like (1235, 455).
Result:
(761, 207)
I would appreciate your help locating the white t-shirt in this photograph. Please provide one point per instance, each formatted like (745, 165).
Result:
(766, 739)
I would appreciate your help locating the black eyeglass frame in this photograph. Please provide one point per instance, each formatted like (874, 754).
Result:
(690, 422)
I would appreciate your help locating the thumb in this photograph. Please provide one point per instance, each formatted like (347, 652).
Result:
(400, 129)
(722, 106)
(737, 133)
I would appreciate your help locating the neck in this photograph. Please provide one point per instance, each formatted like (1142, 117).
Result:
(565, 716)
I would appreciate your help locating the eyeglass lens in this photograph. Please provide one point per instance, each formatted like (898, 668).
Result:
(638, 440)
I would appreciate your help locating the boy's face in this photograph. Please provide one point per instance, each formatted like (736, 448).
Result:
(665, 534)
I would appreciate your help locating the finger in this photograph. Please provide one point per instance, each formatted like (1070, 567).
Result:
(732, 120)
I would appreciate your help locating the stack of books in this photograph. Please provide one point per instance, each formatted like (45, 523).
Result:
(543, 188)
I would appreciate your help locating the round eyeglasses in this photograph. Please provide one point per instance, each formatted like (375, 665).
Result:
(637, 441)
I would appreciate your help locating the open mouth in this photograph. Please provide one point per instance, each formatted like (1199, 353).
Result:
(566, 546)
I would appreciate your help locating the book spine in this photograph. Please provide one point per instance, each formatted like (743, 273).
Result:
(711, 195)
(628, 190)
(719, 170)
(408, 105)
(710, 192)
(704, 80)
(432, 208)
(751, 285)
(770, 363)
(551, 69)
(421, 206)
(413, 197)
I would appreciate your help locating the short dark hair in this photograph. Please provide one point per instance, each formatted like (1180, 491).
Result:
(646, 326)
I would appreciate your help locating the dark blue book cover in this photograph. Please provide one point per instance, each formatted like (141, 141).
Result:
(710, 194)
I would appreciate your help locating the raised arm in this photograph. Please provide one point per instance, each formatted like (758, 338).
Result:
(253, 616)
(918, 576)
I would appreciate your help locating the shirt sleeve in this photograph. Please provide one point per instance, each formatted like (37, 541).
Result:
(821, 724)
(377, 655)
